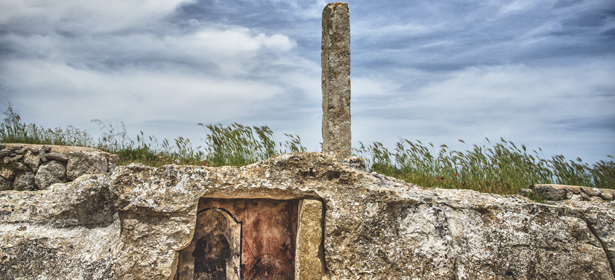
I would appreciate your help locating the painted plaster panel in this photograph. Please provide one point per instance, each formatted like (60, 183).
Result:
(242, 239)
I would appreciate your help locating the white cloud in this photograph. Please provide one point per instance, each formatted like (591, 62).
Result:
(516, 6)
(498, 88)
(548, 107)
(230, 42)
(232, 49)
(235, 51)
(85, 16)
(132, 94)
(141, 77)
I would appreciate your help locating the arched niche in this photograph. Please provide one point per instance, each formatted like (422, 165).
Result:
(254, 239)
(215, 250)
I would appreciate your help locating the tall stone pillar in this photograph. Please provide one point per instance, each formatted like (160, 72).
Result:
(335, 59)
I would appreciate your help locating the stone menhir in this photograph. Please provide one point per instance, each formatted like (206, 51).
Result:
(335, 59)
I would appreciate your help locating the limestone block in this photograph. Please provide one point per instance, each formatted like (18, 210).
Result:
(548, 192)
(554, 192)
(32, 160)
(20, 166)
(335, 80)
(607, 195)
(7, 173)
(308, 265)
(15, 147)
(50, 173)
(13, 158)
(68, 233)
(57, 156)
(85, 162)
(591, 191)
(42, 151)
(5, 184)
(24, 182)
(4, 152)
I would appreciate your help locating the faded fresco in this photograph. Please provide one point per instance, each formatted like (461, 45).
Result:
(215, 250)
(242, 239)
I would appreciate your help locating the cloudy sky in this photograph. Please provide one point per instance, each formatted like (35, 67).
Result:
(536, 72)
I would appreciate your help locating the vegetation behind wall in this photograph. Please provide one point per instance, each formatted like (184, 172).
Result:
(501, 168)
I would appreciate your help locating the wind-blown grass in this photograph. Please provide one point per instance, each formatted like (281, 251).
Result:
(239, 145)
(235, 145)
(13, 131)
(500, 168)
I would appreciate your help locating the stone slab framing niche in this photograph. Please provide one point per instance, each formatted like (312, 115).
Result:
(254, 239)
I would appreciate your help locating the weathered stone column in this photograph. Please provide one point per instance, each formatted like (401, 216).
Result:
(335, 59)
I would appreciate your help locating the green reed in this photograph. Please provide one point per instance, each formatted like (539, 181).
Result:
(239, 145)
(501, 168)
(12, 130)
(235, 145)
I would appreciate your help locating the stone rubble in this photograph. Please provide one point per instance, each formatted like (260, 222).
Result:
(26, 167)
(556, 192)
(24, 182)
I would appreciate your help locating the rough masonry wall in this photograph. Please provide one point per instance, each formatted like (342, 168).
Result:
(69, 232)
(133, 223)
(28, 167)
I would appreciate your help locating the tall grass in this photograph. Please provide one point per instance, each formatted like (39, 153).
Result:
(13, 131)
(239, 145)
(501, 168)
(234, 145)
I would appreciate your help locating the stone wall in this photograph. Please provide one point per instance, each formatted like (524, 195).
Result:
(27, 167)
(352, 224)
(555, 192)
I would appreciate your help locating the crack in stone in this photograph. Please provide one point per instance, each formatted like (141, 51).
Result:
(606, 252)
